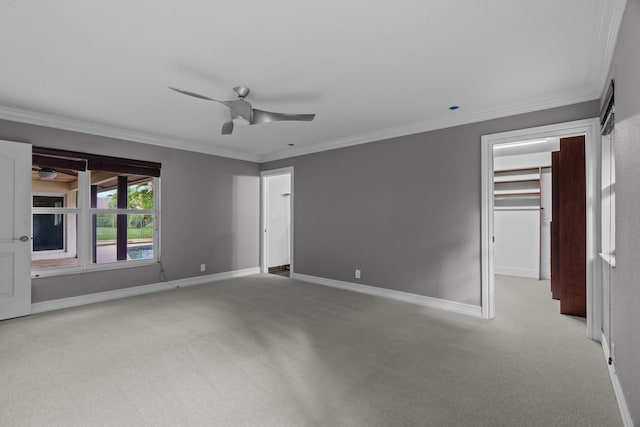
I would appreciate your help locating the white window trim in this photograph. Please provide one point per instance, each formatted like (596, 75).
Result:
(53, 211)
(85, 212)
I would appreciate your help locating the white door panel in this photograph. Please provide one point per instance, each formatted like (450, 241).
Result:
(15, 226)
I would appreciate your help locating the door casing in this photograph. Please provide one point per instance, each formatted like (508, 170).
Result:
(264, 268)
(590, 128)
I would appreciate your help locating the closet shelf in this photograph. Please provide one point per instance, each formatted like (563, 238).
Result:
(517, 189)
(522, 195)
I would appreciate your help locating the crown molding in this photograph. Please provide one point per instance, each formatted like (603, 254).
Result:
(57, 122)
(608, 28)
(457, 118)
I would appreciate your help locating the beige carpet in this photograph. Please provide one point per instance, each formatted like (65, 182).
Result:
(271, 351)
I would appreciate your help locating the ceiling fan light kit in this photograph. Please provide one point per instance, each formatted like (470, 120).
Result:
(47, 174)
(242, 112)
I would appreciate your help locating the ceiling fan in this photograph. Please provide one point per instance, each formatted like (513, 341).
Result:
(242, 112)
(49, 174)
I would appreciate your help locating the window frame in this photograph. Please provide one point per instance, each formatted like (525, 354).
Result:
(85, 214)
(49, 211)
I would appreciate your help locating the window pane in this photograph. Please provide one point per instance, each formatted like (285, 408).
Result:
(140, 236)
(105, 227)
(139, 241)
(54, 240)
(140, 193)
(105, 186)
(48, 201)
(107, 199)
(104, 238)
(140, 250)
(56, 190)
(140, 228)
(48, 232)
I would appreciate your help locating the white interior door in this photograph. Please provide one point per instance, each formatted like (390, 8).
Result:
(15, 226)
(277, 218)
(278, 196)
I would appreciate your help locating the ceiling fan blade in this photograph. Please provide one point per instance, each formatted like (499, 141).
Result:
(67, 172)
(227, 127)
(186, 92)
(261, 116)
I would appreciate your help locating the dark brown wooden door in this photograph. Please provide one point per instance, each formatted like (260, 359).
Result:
(555, 225)
(572, 227)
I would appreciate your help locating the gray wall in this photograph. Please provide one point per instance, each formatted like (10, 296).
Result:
(405, 210)
(625, 286)
(209, 212)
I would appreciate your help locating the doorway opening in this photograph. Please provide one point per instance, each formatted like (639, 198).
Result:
(589, 129)
(522, 207)
(540, 213)
(277, 221)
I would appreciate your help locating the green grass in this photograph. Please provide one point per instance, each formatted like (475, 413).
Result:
(109, 233)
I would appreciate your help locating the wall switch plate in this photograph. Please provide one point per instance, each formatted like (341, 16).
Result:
(357, 273)
(202, 267)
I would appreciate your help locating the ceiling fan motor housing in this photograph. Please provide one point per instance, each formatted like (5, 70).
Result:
(241, 91)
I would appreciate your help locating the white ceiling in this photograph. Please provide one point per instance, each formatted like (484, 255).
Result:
(368, 69)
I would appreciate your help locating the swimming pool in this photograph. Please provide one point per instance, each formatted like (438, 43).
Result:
(140, 252)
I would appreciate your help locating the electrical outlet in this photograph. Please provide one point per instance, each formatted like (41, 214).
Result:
(202, 267)
(357, 273)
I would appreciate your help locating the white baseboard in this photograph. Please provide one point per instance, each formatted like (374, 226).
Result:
(199, 280)
(617, 387)
(41, 307)
(458, 307)
(520, 272)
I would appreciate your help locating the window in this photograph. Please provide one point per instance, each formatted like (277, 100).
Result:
(48, 229)
(608, 199)
(608, 178)
(92, 212)
(122, 211)
(55, 218)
